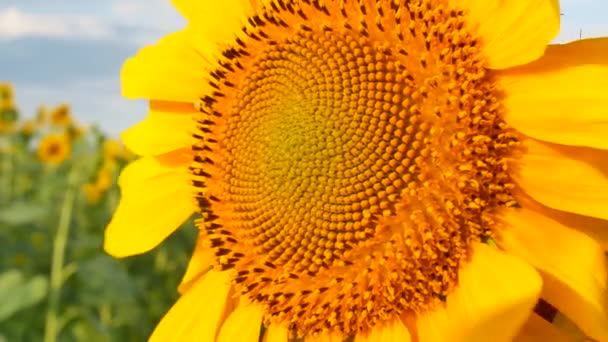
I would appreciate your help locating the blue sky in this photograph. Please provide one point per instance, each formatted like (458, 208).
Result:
(71, 51)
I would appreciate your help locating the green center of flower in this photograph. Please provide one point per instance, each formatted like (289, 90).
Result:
(352, 153)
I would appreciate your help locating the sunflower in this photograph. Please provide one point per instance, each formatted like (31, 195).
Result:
(6, 127)
(28, 127)
(42, 115)
(92, 192)
(427, 170)
(6, 93)
(104, 178)
(61, 116)
(75, 131)
(54, 149)
(112, 149)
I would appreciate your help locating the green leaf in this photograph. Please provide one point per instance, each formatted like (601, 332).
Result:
(16, 293)
(9, 280)
(20, 213)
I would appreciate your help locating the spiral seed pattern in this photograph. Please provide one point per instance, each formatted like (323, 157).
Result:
(351, 154)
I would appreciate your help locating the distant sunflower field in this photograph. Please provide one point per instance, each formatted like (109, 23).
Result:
(58, 189)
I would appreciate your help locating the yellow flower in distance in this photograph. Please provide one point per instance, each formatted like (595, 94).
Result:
(54, 149)
(350, 161)
(92, 193)
(42, 115)
(6, 126)
(28, 127)
(112, 149)
(61, 116)
(74, 131)
(6, 92)
(104, 179)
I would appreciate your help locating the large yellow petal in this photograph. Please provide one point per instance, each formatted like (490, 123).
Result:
(394, 331)
(512, 32)
(169, 126)
(243, 324)
(276, 333)
(150, 167)
(573, 265)
(156, 199)
(201, 261)
(495, 296)
(171, 70)
(595, 228)
(537, 329)
(199, 313)
(562, 97)
(216, 21)
(557, 178)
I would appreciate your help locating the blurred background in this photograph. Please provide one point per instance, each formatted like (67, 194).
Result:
(61, 114)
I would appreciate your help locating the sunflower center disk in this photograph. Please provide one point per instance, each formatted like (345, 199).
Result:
(351, 155)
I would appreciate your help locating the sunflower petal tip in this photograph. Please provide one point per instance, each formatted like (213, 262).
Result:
(115, 244)
(113, 248)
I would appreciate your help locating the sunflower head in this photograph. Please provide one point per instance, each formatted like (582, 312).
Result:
(54, 149)
(42, 115)
(28, 128)
(6, 92)
(61, 116)
(75, 131)
(92, 193)
(112, 149)
(104, 178)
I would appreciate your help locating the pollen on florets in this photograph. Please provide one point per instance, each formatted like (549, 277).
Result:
(348, 157)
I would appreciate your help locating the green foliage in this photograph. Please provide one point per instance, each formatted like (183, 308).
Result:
(17, 293)
(21, 213)
(95, 297)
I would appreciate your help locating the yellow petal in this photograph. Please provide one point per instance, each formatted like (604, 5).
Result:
(394, 331)
(243, 324)
(435, 326)
(150, 167)
(201, 261)
(512, 32)
(171, 70)
(554, 177)
(495, 296)
(537, 329)
(198, 314)
(595, 228)
(276, 333)
(562, 97)
(217, 21)
(156, 199)
(573, 266)
(169, 126)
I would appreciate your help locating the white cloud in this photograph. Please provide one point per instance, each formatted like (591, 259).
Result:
(15, 24)
(150, 19)
(156, 14)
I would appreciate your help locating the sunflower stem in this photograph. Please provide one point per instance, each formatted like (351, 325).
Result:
(57, 277)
